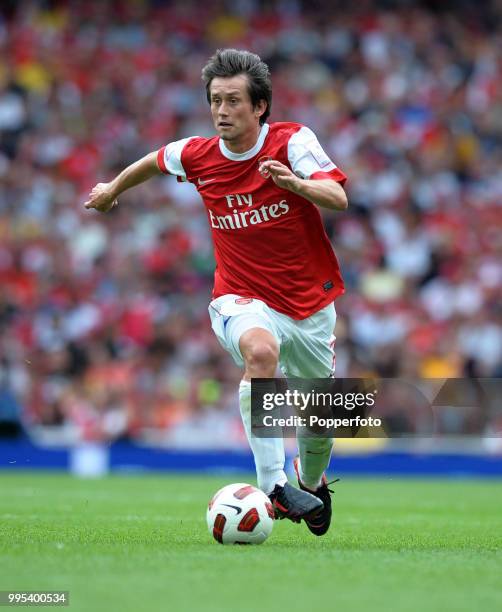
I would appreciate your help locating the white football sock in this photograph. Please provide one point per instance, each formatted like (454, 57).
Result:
(268, 452)
(315, 454)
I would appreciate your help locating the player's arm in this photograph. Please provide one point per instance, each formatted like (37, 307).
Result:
(326, 193)
(103, 196)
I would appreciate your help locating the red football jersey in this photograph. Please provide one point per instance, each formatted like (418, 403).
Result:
(269, 243)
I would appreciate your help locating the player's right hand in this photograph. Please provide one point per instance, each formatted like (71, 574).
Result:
(101, 198)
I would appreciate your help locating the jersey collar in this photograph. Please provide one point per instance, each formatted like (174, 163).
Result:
(247, 154)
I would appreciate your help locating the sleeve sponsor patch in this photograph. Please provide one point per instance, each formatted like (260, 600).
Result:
(319, 155)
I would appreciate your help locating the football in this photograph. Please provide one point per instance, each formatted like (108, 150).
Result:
(240, 514)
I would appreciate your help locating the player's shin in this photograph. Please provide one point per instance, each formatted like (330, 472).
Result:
(314, 454)
(268, 452)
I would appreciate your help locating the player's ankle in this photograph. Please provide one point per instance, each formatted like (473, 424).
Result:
(267, 484)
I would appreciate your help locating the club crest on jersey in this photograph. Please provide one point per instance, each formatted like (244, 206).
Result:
(243, 301)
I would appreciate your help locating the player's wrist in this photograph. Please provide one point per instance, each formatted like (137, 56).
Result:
(297, 185)
(112, 190)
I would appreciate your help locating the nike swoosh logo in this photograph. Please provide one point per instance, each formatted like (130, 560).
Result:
(201, 182)
(236, 508)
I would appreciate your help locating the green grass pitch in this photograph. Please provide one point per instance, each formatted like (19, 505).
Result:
(140, 543)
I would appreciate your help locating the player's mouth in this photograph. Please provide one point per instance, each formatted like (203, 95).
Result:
(224, 124)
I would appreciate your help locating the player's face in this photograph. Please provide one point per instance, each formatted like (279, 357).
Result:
(234, 117)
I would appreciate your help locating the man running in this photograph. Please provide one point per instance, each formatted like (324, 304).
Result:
(276, 275)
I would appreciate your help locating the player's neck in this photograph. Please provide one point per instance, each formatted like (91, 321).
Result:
(246, 142)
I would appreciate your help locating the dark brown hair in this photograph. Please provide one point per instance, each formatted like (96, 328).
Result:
(231, 62)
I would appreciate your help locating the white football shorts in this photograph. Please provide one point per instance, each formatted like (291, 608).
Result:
(306, 346)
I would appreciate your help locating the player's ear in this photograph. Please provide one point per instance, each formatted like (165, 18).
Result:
(260, 108)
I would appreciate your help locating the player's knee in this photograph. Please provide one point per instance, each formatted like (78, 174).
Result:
(264, 355)
(261, 355)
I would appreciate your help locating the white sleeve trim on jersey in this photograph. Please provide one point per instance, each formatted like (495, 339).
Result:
(172, 157)
(305, 154)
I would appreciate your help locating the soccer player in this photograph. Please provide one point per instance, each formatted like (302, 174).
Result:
(276, 275)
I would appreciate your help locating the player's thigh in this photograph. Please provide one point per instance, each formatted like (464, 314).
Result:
(310, 352)
(232, 316)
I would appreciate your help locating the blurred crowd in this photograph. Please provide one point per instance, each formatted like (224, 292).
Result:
(103, 318)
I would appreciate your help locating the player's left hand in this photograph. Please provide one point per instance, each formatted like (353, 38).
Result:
(101, 198)
(282, 176)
